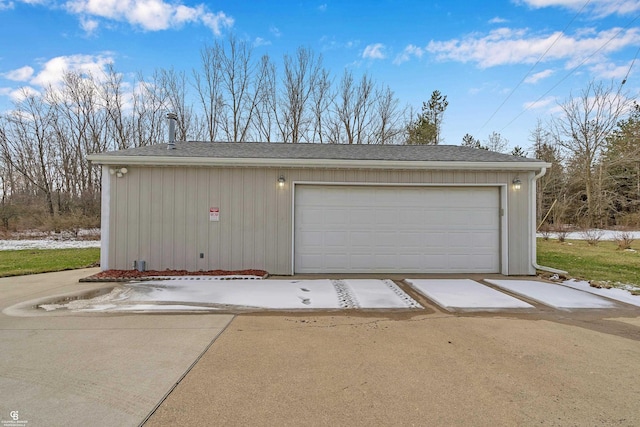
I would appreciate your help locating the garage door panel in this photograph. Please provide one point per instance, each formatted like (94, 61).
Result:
(436, 263)
(361, 217)
(385, 262)
(396, 229)
(362, 261)
(386, 216)
(311, 261)
(434, 240)
(335, 216)
(484, 240)
(435, 218)
(412, 240)
(481, 201)
(461, 239)
(408, 261)
(484, 218)
(335, 262)
(361, 238)
(457, 218)
(309, 239)
(339, 239)
(310, 216)
(334, 198)
(411, 215)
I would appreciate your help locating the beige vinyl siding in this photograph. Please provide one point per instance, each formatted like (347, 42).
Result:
(161, 214)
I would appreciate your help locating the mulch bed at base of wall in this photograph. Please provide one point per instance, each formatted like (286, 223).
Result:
(128, 275)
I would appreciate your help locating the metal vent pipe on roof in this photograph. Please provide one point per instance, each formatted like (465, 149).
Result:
(172, 118)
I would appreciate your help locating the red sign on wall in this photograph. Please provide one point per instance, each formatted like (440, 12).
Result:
(214, 214)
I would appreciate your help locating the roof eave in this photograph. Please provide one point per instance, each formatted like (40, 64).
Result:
(317, 163)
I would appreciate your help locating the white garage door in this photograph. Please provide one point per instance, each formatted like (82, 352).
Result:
(349, 229)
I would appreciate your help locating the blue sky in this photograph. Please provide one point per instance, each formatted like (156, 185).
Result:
(481, 54)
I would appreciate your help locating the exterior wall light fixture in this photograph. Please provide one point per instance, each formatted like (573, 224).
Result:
(516, 183)
(119, 172)
(281, 181)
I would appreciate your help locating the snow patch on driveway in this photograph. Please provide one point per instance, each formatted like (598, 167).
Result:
(556, 296)
(465, 294)
(621, 295)
(212, 294)
(371, 293)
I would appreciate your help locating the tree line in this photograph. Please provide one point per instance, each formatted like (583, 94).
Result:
(593, 144)
(233, 95)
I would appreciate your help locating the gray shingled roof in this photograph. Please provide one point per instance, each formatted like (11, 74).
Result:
(263, 150)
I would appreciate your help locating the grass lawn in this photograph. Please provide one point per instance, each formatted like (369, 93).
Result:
(32, 261)
(603, 262)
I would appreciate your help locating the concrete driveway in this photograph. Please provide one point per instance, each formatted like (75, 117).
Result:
(98, 370)
(402, 367)
(407, 369)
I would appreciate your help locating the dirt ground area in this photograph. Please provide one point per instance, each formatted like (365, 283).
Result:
(415, 368)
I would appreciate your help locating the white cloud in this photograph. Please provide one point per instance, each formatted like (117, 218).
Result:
(53, 70)
(330, 43)
(374, 51)
(322, 7)
(21, 94)
(6, 5)
(150, 15)
(598, 8)
(275, 31)
(88, 25)
(611, 71)
(19, 75)
(534, 78)
(259, 41)
(407, 53)
(505, 46)
(217, 21)
(497, 20)
(542, 103)
(549, 3)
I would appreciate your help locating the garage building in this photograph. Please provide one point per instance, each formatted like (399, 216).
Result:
(318, 208)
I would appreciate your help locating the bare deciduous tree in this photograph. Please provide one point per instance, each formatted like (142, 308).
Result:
(149, 109)
(496, 142)
(175, 86)
(301, 75)
(207, 83)
(321, 99)
(353, 106)
(389, 118)
(28, 140)
(240, 94)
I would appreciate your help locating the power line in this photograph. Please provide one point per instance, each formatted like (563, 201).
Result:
(535, 65)
(571, 72)
(630, 67)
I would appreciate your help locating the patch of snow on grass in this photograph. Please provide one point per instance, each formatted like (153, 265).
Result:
(604, 234)
(14, 245)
